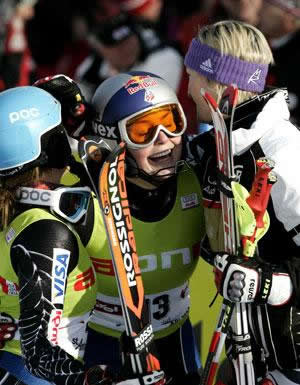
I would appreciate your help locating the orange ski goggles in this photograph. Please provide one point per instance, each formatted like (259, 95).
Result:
(142, 129)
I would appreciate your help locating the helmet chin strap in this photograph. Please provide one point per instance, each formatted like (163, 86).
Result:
(151, 181)
(142, 182)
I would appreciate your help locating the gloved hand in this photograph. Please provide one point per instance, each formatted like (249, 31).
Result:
(154, 378)
(8, 328)
(248, 281)
(75, 110)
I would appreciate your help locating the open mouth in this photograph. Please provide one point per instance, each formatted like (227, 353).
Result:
(161, 156)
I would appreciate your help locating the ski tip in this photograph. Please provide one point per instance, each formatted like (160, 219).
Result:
(209, 99)
(229, 99)
(235, 93)
(88, 144)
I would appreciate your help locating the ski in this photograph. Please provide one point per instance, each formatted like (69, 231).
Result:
(138, 353)
(225, 166)
(227, 179)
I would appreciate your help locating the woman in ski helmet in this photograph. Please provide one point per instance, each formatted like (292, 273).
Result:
(164, 196)
(47, 280)
(142, 110)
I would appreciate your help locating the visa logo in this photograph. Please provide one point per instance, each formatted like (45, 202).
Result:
(61, 259)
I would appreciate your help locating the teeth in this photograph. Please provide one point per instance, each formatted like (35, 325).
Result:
(161, 154)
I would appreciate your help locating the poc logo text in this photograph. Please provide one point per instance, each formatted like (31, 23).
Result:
(24, 114)
(33, 195)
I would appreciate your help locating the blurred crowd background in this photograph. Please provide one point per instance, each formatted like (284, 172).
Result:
(91, 40)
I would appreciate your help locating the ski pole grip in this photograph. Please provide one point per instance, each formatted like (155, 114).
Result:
(261, 188)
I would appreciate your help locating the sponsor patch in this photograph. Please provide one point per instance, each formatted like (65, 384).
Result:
(24, 114)
(8, 287)
(10, 235)
(105, 131)
(108, 308)
(207, 66)
(138, 83)
(189, 201)
(61, 259)
(85, 280)
(53, 326)
(254, 78)
(143, 339)
(149, 96)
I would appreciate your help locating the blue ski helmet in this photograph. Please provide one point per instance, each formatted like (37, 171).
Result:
(125, 96)
(31, 133)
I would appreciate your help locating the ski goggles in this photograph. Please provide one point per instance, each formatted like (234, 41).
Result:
(70, 203)
(141, 130)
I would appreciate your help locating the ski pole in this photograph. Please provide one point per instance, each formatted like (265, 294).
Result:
(231, 237)
(258, 199)
(257, 202)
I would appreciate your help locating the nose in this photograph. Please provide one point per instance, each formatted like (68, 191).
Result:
(162, 137)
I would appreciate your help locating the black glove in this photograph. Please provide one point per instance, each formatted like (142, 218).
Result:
(240, 280)
(75, 110)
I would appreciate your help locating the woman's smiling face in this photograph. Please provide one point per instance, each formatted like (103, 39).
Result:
(160, 157)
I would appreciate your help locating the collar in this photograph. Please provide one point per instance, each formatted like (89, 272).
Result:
(246, 112)
(256, 117)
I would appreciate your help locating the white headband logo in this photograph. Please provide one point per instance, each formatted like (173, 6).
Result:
(255, 76)
(207, 66)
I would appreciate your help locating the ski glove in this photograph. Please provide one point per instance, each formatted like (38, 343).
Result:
(75, 110)
(8, 329)
(238, 280)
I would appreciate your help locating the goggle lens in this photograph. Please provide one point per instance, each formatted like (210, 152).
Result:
(74, 204)
(142, 128)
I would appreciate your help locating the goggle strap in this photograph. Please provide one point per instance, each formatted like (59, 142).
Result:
(49, 198)
(36, 196)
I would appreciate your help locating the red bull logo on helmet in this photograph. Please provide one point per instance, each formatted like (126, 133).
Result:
(139, 82)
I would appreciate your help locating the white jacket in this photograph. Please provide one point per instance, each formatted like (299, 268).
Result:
(280, 141)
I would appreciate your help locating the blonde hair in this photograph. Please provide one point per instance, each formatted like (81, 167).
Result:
(240, 40)
(8, 188)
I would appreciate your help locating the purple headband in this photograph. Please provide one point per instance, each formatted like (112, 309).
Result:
(225, 69)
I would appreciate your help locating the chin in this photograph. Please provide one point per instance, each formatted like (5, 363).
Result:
(165, 173)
